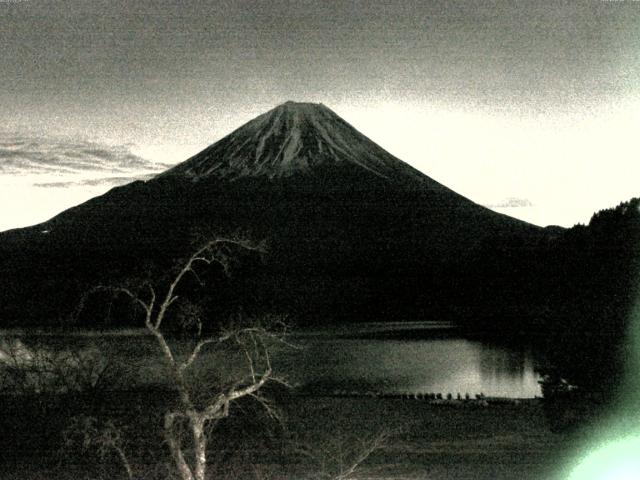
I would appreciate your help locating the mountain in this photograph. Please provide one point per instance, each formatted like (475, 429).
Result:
(292, 138)
(354, 233)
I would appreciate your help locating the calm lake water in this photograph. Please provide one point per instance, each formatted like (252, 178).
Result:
(423, 357)
(414, 357)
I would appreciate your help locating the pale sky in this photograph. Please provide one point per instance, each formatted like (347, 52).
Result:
(535, 105)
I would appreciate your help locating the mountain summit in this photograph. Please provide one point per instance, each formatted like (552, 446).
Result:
(291, 138)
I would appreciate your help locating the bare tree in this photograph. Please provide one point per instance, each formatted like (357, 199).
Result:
(342, 458)
(26, 370)
(198, 411)
(103, 438)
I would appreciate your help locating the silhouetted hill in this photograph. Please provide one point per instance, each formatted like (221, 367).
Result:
(594, 286)
(589, 342)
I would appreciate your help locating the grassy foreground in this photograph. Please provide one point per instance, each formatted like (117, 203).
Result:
(442, 442)
(315, 435)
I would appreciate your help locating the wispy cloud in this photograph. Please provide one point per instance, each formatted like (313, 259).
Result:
(511, 202)
(73, 162)
(94, 182)
(42, 176)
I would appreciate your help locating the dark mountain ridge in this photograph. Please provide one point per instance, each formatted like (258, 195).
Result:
(354, 233)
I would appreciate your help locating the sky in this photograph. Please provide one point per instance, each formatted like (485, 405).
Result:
(530, 108)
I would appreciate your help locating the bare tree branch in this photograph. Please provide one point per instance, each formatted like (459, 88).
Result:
(102, 438)
(251, 340)
(343, 459)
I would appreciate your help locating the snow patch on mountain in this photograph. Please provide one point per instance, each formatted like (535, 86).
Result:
(290, 139)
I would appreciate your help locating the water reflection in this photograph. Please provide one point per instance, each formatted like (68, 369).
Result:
(429, 365)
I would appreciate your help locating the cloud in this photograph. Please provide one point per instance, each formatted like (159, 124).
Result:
(94, 182)
(511, 202)
(24, 155)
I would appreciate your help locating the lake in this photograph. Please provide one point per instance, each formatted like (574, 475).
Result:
(412, 357)
(391, 358)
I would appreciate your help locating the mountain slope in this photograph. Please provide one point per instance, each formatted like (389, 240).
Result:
(354, 233)
(291, 138)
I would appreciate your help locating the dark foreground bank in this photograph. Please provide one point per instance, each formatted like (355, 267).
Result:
(310, 437)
